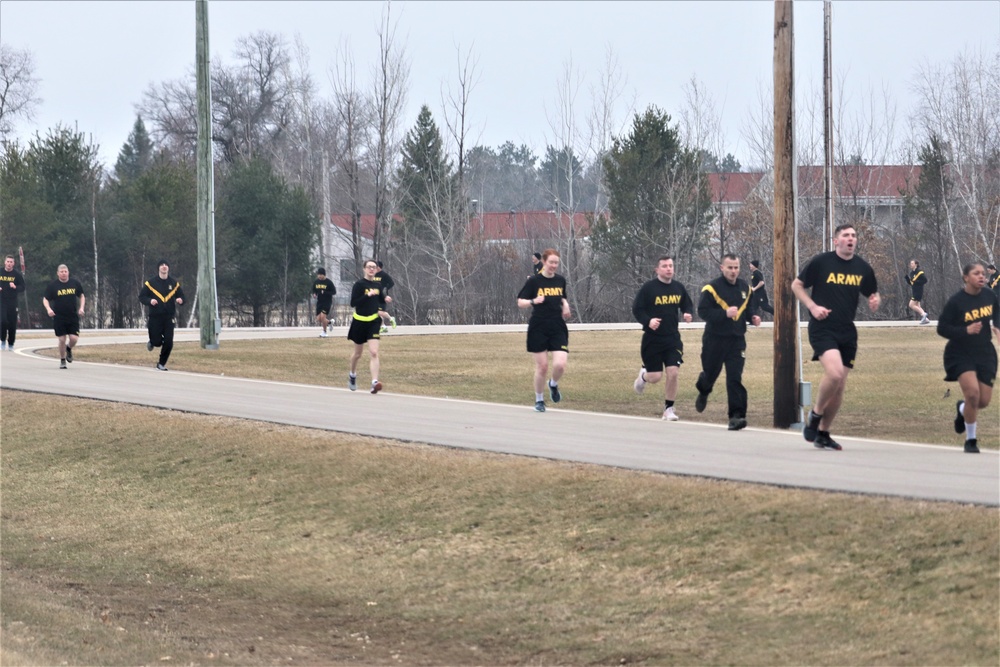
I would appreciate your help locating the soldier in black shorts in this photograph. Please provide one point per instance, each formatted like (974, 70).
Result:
(658, 306)
(759, 290)
(916, 279)
(837, 279)
(545, 294)
(64, 301)
(323, 290)
(365, 324)
(969, 356)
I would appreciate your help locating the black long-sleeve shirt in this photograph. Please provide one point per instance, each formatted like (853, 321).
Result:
(716, 299)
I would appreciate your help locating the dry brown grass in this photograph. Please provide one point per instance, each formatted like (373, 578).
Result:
(139, 536)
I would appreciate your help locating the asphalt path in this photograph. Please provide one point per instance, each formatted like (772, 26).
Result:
(757, 455)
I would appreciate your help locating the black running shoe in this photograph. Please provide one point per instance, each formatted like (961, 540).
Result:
(69, 354)
(824, 441)
(737, 423)
(971, 447)
(554, 391)
(62, 363)
(161, 367)
(701, 402)
(149, 346)
(539, 406)
(812, 427)
(959, 418)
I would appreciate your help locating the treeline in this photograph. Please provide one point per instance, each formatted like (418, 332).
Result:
(287, 159)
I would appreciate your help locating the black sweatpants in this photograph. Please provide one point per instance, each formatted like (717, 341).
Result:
(8, 321)
(161, 335)
(728, 352)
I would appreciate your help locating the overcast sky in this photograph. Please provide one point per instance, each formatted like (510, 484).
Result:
(95, 59)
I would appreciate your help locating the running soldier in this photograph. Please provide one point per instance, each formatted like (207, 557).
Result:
(658, 306)
(387, 283)
(969, 356)
(759, 290)
(366, 297)
(162, 293)
(916, 279)
(545, 294)
(65, 301)
(726, 305)
(323, 291)
(837, 278)
(11, 286)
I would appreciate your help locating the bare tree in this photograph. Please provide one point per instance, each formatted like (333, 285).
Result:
(18, 87)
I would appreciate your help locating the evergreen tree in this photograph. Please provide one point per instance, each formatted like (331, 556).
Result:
(136, 154)
(424, 174)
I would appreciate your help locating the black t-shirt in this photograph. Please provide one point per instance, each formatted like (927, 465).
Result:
(962, 310)
(324, 290)
(366, 305)
(837, 284)
(554, 291)
(62, 297)
(11, 285)
(664, 300)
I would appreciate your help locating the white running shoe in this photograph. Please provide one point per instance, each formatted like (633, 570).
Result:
(322, 334)
(925, 319)
(639, 385)
(669, 415)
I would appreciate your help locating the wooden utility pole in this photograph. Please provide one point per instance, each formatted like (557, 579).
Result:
(827, 128)
(208, 319)
(786, 320)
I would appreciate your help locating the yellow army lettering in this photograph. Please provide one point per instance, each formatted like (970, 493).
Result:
(7, 279)
(844, 279)
(550, 291)
(979, 313)
(668, 300)
(66, 292)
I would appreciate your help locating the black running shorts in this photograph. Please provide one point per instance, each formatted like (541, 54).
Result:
(660, 351)
(984, 364)
(823, 338)
(548, 336)
(361, 332)
(66, 325)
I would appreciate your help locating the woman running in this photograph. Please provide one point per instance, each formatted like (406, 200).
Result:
(545, 294)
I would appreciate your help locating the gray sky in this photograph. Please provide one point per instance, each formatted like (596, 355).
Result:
(95, 59)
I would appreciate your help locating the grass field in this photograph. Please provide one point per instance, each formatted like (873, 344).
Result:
(132, 535)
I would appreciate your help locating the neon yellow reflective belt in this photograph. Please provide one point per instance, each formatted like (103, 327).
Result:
(365, 318)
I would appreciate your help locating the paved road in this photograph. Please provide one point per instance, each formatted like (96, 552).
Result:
(757, 455)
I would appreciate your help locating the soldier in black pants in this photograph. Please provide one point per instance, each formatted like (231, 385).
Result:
(162, 293)
(726, 305)
(11, 286)
(757, 285)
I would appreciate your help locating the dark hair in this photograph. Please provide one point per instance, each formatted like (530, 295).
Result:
(162, 262)
(321, 271)
(665, 257)
(846, 225)
(967, 269)
(537, 255)
(378, 263)
(755, 263)
(730, 255)
(991, 267)
(915, 263)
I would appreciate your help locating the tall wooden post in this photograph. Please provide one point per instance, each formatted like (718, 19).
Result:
(207, 302)
(786, 321)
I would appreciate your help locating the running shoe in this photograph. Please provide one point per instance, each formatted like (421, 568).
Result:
(161, 367)
(3, 346)
(701, 402)
(69, 354)
(737, 424)
(812, 427)
(971, 447)
(824, 441)
(149, 346)
(322, 334)
(392, 321)
(640, 384)
(376, 387)
(925, 319)
(554, 392)
(384, 329)
(959, 418)
(539, 406)
(62, 363)
(669, 415)
(352, 382)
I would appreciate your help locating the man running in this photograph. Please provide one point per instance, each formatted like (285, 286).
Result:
(837, 279)
(323, 291)
(726, 305)
(65, 301)
(658, 306)
(759, 290)
(916, 279)
(162, 294)
(11, 286)
(366, 296)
